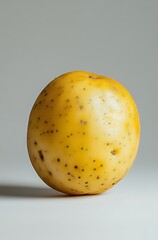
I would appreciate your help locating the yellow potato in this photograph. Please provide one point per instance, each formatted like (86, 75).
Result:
(83, 133)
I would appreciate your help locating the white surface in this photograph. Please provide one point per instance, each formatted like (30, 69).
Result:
(128, 211)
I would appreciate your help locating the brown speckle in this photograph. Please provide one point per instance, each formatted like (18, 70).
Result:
(113, 152)
(97, 177)
(35, 143)
(58, 159)
(94, 160)
(57, 130)
(81, 107)
(67, 146)
(52, 131)
(50, 173)
(93, 77)
(82, 169)
(86, 182)
(65, 165)
(101, 165)
(40, 102)
(79, 177)
(75, 166)
(41, 155)
(69, 179)
(52, 100)
(45, 121)
(67, 100)
(94, 169)
(81, 148)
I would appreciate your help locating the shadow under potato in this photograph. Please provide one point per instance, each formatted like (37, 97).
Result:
(19, 191)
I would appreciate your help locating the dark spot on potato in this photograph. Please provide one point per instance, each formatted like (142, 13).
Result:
(113, 183)
(109, 123)
(86, 182)
(48, 131)
(52, 124)
(67, 146)
(52, 100)
(41, 155)
(102, 184)
(93, 77)
(82, 169)
(108, 144)
(40, 102)
(65, 165)
(52, 131)
(114, 169)
(45, 121)
(57, 130)
(113, 152)
(94, 160)
(68, 173)
(94, 169)
(35, 143)
(59, 115)
(81, 107)
(58, 159)
(79, 177)
(67, 100)
(83, 133)
(84, 89)
(97, 177)
(69, 179)
(81, 148)
(71, 134)
(75, 166)
(38, 118)
(77, 97)
(101, 165)
(50, 173)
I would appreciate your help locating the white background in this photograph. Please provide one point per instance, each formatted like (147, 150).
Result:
(40, 40)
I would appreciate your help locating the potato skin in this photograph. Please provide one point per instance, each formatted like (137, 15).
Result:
(83, 133)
